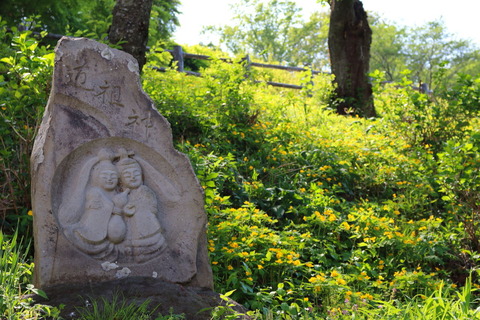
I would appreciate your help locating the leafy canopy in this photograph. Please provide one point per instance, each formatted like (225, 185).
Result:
(275, 31)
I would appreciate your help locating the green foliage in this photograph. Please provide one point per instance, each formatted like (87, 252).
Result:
(426, 121)
(308, 209)
(96, 20)
(431, 47)
(465, 95)
(230, 102)
(24, 89)
(433, 55)
(388, 45)
(15, 276)
(88, 18)
(118, 308)
(264, 31)
(459, 180)
(163, 20)
(56, 15)
(225, 312)
(275, 31)
(441, 304)
(311, 215)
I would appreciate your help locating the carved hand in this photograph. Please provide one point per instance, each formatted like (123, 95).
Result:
(119, 201)
(129, 209)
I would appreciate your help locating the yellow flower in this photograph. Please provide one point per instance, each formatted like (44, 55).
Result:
(309, 264)
(260, 267)
(214, 262)
(296, 262)
(30, 212)
(340, 281)
(334, 274)
(230, 267)
(345, 225)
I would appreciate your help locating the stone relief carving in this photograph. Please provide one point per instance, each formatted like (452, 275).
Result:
(111, 214)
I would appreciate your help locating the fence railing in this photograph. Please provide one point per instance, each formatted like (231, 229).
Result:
(179, 57)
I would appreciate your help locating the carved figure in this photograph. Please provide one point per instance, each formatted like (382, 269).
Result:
(144, 239)
(99, 227)
(109, 220)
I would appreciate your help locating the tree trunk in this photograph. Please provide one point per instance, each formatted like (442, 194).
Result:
(130, 25)
(349, 40)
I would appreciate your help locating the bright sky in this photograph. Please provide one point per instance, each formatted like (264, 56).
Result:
(460, 16)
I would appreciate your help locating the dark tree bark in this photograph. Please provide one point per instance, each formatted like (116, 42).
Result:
(349, 40)
(130, 25)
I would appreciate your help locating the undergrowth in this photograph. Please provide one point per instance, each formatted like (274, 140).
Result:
(311, 215)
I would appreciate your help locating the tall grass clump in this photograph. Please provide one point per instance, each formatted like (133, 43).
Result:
(119, 308)
(441, 304)
(15, 279)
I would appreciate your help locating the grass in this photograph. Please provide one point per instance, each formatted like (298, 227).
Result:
(311, 215)
(15, 279)
(118, 308)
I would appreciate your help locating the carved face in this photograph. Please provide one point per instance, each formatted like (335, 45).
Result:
(132, 177)
(107, 179)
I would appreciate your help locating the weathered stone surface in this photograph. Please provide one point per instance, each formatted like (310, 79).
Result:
(111, 196)
(162, 296)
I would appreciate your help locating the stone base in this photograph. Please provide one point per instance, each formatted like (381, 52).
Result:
(164, 297)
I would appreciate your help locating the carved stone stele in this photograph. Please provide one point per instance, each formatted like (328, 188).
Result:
(111, 196)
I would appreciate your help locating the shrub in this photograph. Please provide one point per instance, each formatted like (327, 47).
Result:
(24, 88)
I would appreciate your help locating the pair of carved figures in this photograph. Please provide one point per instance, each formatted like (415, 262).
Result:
(118, 217)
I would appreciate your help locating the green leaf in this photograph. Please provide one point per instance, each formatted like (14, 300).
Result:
(268, 256)
(211, 176)
(210, 184)
(8, 60)
(229, 293)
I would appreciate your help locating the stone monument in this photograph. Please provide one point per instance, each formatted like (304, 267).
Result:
(112, 198)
